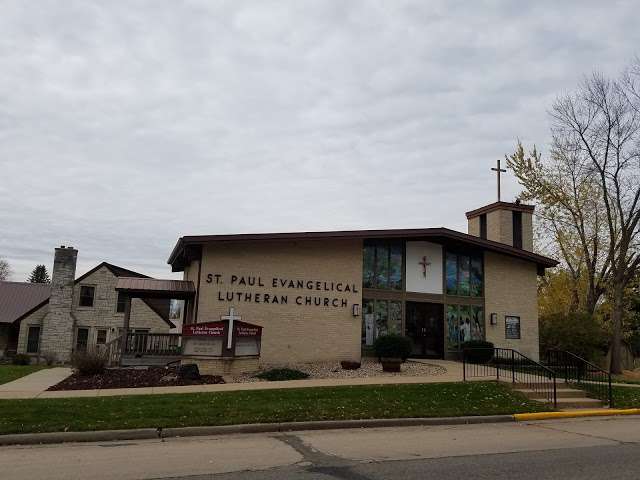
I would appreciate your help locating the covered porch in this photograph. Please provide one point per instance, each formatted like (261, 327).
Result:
(143, 348)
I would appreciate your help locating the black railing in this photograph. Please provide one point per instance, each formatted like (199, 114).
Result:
(581, 373)
(508, 365)
(140, 344)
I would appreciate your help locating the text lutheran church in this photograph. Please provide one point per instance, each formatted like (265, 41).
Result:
(318, 296)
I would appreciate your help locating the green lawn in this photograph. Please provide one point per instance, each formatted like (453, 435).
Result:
(261, 406)
(626, 397)
(12, 372)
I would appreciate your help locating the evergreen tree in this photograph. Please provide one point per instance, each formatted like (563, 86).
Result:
(39, 275)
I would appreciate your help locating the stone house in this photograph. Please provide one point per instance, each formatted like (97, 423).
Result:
(73, 314)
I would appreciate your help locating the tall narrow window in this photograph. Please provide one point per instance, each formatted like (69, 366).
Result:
(517, 229)
(86, 295)
(121, 302)
(33, 340)
(483, 225)
(82, 339)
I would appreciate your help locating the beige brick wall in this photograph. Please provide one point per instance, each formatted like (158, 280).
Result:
(500, 226)
(291, 332)
(511, 289)
(102, 315)
(473, 226)
(527, 231)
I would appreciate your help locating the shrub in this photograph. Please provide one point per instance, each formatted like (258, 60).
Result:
(280, 374)
(576, 332)
(89, 363)
(21, 359)
(392, 346)
(477, 351)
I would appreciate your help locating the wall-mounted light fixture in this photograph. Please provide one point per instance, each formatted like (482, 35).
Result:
(355, 310)
(494, 319)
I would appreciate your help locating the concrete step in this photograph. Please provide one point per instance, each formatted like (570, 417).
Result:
(566, 403)
(560, 393)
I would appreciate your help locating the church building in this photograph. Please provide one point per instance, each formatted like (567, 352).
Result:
(319, 296)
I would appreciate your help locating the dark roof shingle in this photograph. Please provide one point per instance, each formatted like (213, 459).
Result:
(19, 298)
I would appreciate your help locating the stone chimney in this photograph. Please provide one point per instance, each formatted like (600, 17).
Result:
(58, 325)
(504, 222)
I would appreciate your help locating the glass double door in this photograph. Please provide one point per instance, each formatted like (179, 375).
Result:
(425, 326)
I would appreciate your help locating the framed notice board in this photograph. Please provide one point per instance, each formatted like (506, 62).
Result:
(512, 327)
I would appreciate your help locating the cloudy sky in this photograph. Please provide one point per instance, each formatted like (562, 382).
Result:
(124, 125)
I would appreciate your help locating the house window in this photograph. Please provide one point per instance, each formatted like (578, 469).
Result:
(86, 295)
(82, 339)
(122, 302)
(101, 337)
(512, 327)
(483, 225)
(464, 275)
(33, 340)
(382, 265)
(517, 229)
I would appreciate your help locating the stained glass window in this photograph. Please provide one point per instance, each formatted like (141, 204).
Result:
(382, 265)
(476, 277)
(452, 273)
(395, 317)
(452, 327)
(464, 328)
(477, 323)
(395, 266)
(379, 318)
(382, 317)
(463, 275)
(368, 268)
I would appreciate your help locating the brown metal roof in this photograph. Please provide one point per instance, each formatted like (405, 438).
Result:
(152, 287)
(18, 299)
(443, 235)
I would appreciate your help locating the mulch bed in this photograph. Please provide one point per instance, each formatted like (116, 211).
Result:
(132, 378)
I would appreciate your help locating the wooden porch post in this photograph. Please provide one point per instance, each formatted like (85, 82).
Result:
(125, 326)
(188, 311)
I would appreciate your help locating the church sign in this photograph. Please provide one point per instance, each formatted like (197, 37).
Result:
(228, 337)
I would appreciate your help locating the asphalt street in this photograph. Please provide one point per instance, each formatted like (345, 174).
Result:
(605, 447)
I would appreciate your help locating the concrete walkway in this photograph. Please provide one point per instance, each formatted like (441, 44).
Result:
(36, 388)
(32, 385)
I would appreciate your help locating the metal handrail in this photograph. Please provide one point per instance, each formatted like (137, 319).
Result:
(585, 374)
(511, 365)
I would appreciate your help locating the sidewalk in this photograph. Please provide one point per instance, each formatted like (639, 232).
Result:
(36, 387)
(32, 385)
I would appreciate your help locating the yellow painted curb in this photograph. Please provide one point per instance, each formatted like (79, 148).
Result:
(522, 417)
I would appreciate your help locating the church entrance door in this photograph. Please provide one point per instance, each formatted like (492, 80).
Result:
(425, 327)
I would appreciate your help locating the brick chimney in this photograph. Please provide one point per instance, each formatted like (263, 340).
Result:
(58, 325)
(504, 222)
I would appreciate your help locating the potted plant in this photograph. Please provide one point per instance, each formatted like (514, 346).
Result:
(391, 351)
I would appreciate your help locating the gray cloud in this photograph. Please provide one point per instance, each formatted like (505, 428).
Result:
(124, 125)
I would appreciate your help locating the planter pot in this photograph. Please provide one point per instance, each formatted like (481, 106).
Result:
(347, 365)
(391, 364)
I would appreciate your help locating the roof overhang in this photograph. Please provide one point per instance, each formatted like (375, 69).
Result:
(155, 288)
(514, 207)
(190, 247)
